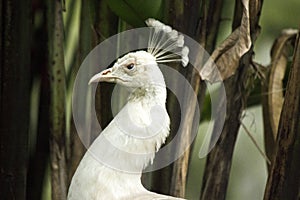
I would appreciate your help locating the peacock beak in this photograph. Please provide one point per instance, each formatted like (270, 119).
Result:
(104, 76)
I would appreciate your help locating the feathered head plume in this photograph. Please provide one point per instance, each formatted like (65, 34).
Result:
(166, 44)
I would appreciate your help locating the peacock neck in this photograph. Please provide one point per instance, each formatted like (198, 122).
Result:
(154, 94)
(134, 133)
(137, 131)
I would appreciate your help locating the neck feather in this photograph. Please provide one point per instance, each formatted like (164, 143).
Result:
(137, 131)
(157, 94)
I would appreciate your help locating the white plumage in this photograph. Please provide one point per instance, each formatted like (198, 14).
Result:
(137, 131)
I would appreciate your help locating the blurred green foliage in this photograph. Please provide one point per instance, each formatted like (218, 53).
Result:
(135, 12)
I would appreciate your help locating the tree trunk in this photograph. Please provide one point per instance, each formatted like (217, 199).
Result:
(208, 39)
(218, 164)
(57, 101)
(15, 77)
(284, 179)
(272, 100)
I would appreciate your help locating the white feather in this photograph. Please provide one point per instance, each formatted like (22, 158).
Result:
(111, 169)
(166, 44)
(180, 41)
(173, 34)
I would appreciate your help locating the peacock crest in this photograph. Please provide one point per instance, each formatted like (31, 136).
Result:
(166, 44)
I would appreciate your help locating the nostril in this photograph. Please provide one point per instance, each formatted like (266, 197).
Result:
(106, 72)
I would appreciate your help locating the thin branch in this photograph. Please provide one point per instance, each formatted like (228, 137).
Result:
(255, 143)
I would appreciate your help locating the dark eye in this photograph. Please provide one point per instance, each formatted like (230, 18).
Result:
(130, 66)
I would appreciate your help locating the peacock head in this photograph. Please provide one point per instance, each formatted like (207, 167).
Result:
(134, 70)
(140, 69)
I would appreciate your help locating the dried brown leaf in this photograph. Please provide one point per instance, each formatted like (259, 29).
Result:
(279, 59)
(283, 181)
(225, 59)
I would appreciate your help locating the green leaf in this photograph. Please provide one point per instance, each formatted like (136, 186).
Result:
(135, 12)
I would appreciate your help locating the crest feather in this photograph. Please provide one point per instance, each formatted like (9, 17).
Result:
(166, 44)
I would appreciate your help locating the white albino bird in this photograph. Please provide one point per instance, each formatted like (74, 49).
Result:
(134, 136)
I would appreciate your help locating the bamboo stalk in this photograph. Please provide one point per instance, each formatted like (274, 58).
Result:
(57, 101)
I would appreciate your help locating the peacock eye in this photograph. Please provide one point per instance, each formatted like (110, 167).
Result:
(130, 66)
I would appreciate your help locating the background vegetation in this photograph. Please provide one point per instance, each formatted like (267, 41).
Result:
(43, 43)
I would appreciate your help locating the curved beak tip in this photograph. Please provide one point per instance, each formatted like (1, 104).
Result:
(90, 82)
(95, 78)
(102, 76)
